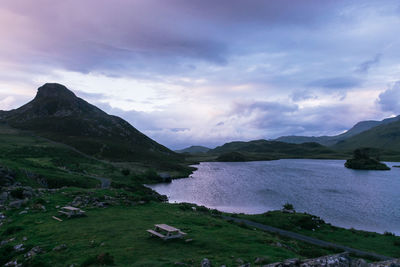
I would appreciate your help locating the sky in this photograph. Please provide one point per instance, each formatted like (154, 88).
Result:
(206, 72)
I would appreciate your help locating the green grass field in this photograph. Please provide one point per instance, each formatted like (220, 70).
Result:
(120, 230)
(302, 223)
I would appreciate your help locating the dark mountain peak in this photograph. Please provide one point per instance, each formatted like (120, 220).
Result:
(54, 99)
(58, 114)
(54, 90)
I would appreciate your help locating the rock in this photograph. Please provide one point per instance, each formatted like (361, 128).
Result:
(60, 247)
(240, 261)
(205, 263)
(13, 263)
(19, 247)
(4, 196)
(23, 212)
(33, 252)
(7, 176)
(17, 203)
(24, 238)
(390, 263)
(261, 260)
(359, 263)
(338, 260)
(27, 193)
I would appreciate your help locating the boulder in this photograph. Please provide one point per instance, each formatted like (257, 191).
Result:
(205, 263)
(17, 203)
(60, 247)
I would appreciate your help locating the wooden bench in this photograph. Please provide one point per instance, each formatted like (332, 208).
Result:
(170, 232)
(154, 233)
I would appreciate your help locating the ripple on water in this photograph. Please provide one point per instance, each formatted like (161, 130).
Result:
(368, 200)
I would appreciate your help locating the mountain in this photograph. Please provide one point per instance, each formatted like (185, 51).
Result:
(58, 114)
(263, 150)
(332, 140)
(194, 150)
(384, 137)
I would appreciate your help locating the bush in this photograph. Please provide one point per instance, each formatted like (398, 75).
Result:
(40, 201)
(307, 223)
(186, 206)
(126, 172)
(18, 193)
(386, 233)
(288, 206)
(312, 252)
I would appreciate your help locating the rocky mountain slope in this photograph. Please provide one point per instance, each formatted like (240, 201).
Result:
(58, 114)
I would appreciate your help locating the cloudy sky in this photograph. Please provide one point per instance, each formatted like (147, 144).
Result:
(204, 72)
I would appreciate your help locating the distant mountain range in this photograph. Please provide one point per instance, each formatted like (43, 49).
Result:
(194, 150)
(385, 136)
(58, 114)
(266, 150)
(337, 141)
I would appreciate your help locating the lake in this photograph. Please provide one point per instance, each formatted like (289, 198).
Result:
(365, 200)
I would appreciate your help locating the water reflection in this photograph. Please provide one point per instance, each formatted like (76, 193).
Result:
(367, 200)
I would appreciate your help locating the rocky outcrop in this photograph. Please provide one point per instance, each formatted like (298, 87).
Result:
(338, 260)
(7, 176)
(362, 161)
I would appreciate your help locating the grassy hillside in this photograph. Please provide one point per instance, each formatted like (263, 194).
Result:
(386, 137)
(37, 160)
(57, 114)
(194, 150)
(120, 231)
(113, 232)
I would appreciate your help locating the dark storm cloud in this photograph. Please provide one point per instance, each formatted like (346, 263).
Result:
(124, 35)
(279, 65)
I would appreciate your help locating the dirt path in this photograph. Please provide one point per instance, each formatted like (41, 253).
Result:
(307, 239)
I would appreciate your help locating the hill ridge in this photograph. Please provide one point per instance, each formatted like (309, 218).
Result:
(58, 114)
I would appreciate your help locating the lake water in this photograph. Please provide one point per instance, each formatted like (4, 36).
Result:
(366, 200)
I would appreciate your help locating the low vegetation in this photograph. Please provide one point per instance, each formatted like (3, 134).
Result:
(303, 223)
(362, 161)
(116, 234)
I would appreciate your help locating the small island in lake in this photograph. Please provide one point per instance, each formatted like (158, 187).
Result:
(362, 161)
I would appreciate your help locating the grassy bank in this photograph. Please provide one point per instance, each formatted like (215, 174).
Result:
(385, 244)
(119, 230)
